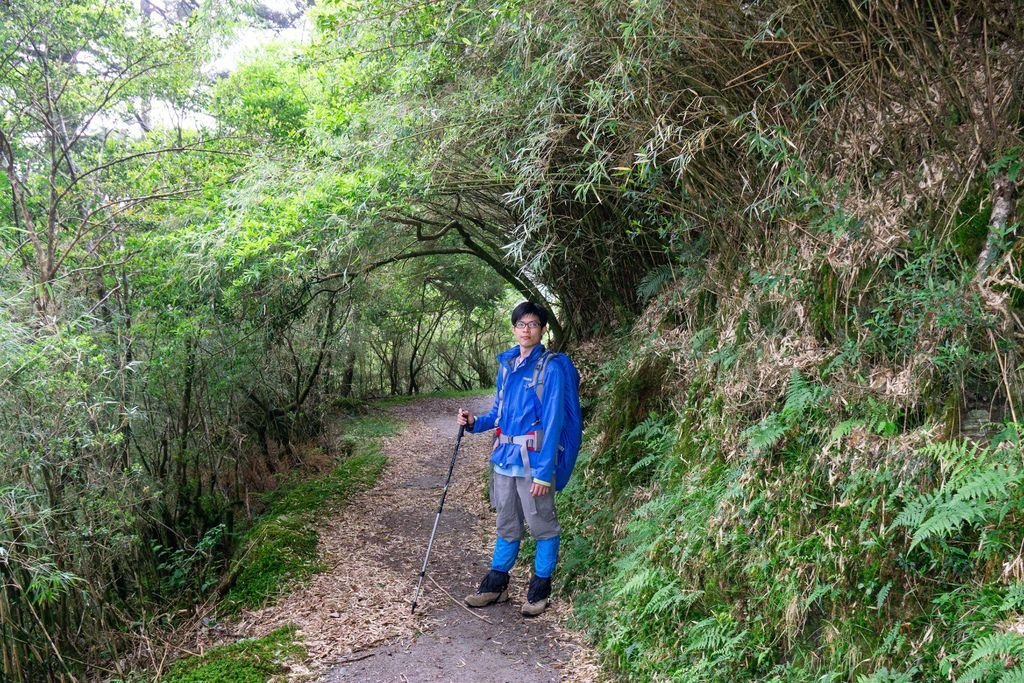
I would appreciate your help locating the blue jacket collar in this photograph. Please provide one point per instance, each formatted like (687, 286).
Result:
(506, 357)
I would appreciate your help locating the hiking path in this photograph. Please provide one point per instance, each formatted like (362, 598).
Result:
(355, 618)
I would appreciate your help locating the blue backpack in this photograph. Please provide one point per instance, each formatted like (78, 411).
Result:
(571, 438)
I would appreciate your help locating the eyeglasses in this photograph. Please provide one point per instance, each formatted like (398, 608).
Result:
(527, 326)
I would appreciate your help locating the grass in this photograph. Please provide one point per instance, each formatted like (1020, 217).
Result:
(254, 660)
(280, 550)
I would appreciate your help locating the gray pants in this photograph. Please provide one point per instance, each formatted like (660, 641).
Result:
(511, 497)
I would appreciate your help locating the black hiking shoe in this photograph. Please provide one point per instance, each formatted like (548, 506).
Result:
(537, 597)
(493, 588)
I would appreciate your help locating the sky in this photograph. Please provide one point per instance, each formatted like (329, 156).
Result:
(246, 41)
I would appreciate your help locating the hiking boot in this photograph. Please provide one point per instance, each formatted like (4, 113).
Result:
(537, 597)
(493, 588)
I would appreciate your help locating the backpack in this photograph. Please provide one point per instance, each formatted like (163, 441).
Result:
(571, 438)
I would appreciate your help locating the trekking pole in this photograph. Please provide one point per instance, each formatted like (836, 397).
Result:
(437, 518)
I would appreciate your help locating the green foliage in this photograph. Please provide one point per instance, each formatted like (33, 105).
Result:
(281, 548)
(264, 98)
(277, 553)
(802, 398)
(363, 210)
(782, 561)
(356, 473)
(654, 282)
(989, 657)
(970, 226)
(979, 490)
(255, 660)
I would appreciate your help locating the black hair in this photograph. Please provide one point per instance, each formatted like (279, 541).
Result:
(528, 308)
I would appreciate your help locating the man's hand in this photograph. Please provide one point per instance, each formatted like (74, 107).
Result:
(465, 418)
(539, 489)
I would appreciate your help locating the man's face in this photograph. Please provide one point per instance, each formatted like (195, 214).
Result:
(528, 331)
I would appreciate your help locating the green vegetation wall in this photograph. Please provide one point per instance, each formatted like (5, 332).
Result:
(804, 456)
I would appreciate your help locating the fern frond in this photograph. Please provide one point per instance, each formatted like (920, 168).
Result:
(638, 583)
(1014, 675)
(980, 671)
(1014, 598)
(991, 484)
(916, 510)
(820, 591)
(653, 282)
(765, 434)
(948, 518)
(884, 675)
(883, 593)
(669, 598)
(997, 646)
(957, 459)
(707, 635)
(843, 429)
(644, 462)
(799, 394)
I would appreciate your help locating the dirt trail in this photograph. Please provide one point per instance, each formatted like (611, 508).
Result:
(355, 617)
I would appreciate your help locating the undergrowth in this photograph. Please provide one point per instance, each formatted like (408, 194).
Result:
(248, 661)
(281, 548)
(446, 393)
(818, 531)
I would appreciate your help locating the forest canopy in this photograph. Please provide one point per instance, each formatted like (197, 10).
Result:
(781, 240)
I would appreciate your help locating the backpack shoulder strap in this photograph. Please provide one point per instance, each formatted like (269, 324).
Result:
(501, 392)
(540, 373)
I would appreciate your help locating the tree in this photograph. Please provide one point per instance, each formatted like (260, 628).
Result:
(75, 76)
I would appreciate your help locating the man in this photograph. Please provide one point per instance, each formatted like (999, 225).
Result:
(524, 458)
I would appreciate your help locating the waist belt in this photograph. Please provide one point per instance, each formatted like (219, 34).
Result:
(531, 441)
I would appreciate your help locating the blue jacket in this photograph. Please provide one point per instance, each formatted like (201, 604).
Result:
(523, 413)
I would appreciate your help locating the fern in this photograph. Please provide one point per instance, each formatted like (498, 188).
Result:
(917, 509)
(980, 498)
(946, 520)
(708, 635)
(956, 459)
(669, 598)
(843, 429)
(1014, 598)
(883, 593)
(884, 675)
(820, 591)
(1014, 675)
(765, 434)
(994, 483)
(801, 394)
(977, 490)
(980, 671)
(997, 646)
(638, 583)
(645, 462)
(989, 656)
(653, 282)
